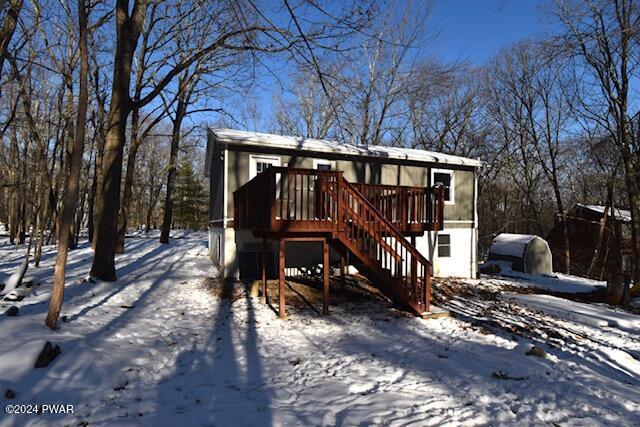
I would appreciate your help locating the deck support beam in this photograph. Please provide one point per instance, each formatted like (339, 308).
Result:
(263, 297)
(325, 277)
(342, 272)
(281, 263)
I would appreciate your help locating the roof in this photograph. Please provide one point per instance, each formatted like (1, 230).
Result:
(511, 244)
(231, 136)
(620, 214)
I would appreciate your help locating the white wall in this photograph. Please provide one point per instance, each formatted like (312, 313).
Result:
(462, 262)
(225, 239)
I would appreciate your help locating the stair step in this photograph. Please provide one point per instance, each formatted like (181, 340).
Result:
(435, 312)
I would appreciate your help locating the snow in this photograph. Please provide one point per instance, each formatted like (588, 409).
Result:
(558, 282)
(11, 282)
(326, 146)
(158, 348)
(620, 214)
(587, 314)
(511, 244)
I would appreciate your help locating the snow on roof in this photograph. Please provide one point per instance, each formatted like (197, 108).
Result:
(231, 136)
(621, 214)
(511, 244)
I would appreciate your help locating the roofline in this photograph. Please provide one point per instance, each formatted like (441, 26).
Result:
(396, 153)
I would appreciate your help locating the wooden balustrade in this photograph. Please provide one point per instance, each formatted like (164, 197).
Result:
(288, 199)
(381, 246)
(368, 220)
(409, 209)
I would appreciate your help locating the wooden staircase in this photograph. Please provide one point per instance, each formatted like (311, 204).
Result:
(284, 202)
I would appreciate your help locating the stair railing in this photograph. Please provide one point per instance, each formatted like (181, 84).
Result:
(368, 232)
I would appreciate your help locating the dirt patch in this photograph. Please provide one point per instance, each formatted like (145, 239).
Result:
(302, 293)
(226, 289)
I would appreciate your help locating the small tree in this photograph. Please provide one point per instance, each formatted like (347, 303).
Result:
(190, 201)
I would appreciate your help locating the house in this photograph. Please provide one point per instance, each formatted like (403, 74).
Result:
(583, 223)
(395, 214)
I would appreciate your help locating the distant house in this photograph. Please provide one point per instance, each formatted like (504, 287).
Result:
(398, 215)
(583, 223)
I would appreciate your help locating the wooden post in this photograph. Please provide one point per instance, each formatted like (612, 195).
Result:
(427, 288)
(281, 309)
(263, 298)
(342, 272)
(325, 279)
(339, 226)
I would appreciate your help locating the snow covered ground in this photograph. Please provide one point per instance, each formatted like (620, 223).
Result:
(557, 282)
(158, 347)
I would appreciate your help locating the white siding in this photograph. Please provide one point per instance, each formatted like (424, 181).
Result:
(461, 263)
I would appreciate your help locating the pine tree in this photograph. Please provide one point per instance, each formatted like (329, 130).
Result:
(190, 199)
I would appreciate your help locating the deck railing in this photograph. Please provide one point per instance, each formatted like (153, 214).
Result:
(407, 208)
(305, 200)
(383, 245)
(288, 199)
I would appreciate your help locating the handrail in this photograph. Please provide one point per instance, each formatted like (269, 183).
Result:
(305, 200)
(408, 208)
(248, 199)
(380, 241)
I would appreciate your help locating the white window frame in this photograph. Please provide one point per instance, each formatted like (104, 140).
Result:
(331, 163)
(253, 163)
(450, 245)
(450, 172)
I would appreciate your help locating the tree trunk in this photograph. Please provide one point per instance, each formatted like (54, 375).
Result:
(105, 233)
(128, 182)
(615, 283)
(128, 32)
(633, 193)
(171, 175)
(73, 178)
(603, 224)
(96, 185)
(39, 239)
(154, 195)
(563, 223)
(7, 30)
(92, 199)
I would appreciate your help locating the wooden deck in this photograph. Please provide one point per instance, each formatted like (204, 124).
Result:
(282, 200)
(369, 223)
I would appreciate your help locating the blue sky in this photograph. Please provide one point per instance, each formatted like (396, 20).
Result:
(467, 30)
(475, 30)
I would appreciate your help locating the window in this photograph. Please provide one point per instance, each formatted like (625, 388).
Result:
(324, 165)
(262, 166)
(444, 178)
(259, 164)
(444, 245)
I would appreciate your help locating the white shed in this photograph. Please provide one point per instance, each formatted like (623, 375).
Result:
(527, 253)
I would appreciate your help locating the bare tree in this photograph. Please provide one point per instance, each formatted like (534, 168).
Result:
(311, 114)
(73, 178)
(148, 59)
(250, 33)
(533, 80)
(9, 22)
(601, 36)
(129, 26)
(443, 107)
